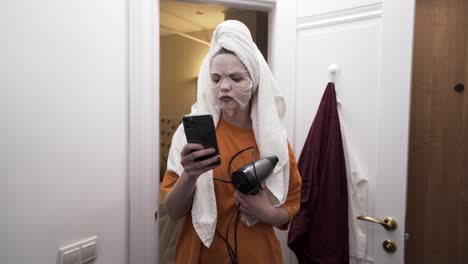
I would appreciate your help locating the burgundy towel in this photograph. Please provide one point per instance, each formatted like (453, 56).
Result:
(319, 232)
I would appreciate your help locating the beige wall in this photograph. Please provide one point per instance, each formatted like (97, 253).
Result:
(180, 62)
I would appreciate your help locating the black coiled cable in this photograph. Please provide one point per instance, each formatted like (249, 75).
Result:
(233, 252)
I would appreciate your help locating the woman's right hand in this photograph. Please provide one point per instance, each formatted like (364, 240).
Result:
(180, 198)
(193, 168)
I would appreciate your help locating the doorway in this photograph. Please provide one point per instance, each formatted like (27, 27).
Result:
(186, 30)
(437, 205)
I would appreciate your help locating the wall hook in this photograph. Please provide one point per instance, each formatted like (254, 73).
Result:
(333, 69)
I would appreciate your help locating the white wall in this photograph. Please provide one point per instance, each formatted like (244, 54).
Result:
(64, 128)
(347, 33)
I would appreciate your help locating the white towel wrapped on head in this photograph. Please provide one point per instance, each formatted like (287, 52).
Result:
(267, 113)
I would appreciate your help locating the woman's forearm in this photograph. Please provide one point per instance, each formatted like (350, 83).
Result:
(279, 216)
(179, 199)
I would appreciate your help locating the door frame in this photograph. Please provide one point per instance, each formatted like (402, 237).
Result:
(143, 148)
(143, 155)
(393, 124)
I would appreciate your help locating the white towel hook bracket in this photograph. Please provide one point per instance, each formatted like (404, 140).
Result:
(333, 69)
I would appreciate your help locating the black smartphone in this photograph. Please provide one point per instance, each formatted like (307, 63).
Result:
(200, 129)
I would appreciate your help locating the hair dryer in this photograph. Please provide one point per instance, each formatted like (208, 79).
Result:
(247, 179)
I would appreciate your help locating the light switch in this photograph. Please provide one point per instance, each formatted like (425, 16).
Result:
(88, 252)
(80, 252)
(71, 257)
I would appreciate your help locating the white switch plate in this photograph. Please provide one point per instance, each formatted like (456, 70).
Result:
(88, 252)
(80, 252)
(71, 256)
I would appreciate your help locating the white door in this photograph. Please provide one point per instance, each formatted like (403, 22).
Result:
(371, 41)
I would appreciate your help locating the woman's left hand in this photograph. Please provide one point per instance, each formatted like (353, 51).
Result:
(256, 206)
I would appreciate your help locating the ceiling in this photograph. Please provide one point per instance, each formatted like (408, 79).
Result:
(188, 17)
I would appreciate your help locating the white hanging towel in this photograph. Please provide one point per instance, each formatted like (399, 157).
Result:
(357, 198)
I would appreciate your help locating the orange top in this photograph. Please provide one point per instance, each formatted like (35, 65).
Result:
(257, 244)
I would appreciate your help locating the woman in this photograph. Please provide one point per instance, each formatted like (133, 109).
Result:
(236, 86)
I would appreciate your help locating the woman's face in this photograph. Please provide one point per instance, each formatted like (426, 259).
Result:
(231, 83)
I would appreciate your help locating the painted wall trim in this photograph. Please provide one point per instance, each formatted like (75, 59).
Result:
(259, 5)
(143, 129)
(340, 17)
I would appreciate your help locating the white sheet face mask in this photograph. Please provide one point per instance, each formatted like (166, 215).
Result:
(231, 83)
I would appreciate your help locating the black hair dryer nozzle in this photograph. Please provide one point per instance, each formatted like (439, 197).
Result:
(247, 179)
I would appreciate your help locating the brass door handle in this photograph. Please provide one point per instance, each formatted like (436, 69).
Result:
(388, 223)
